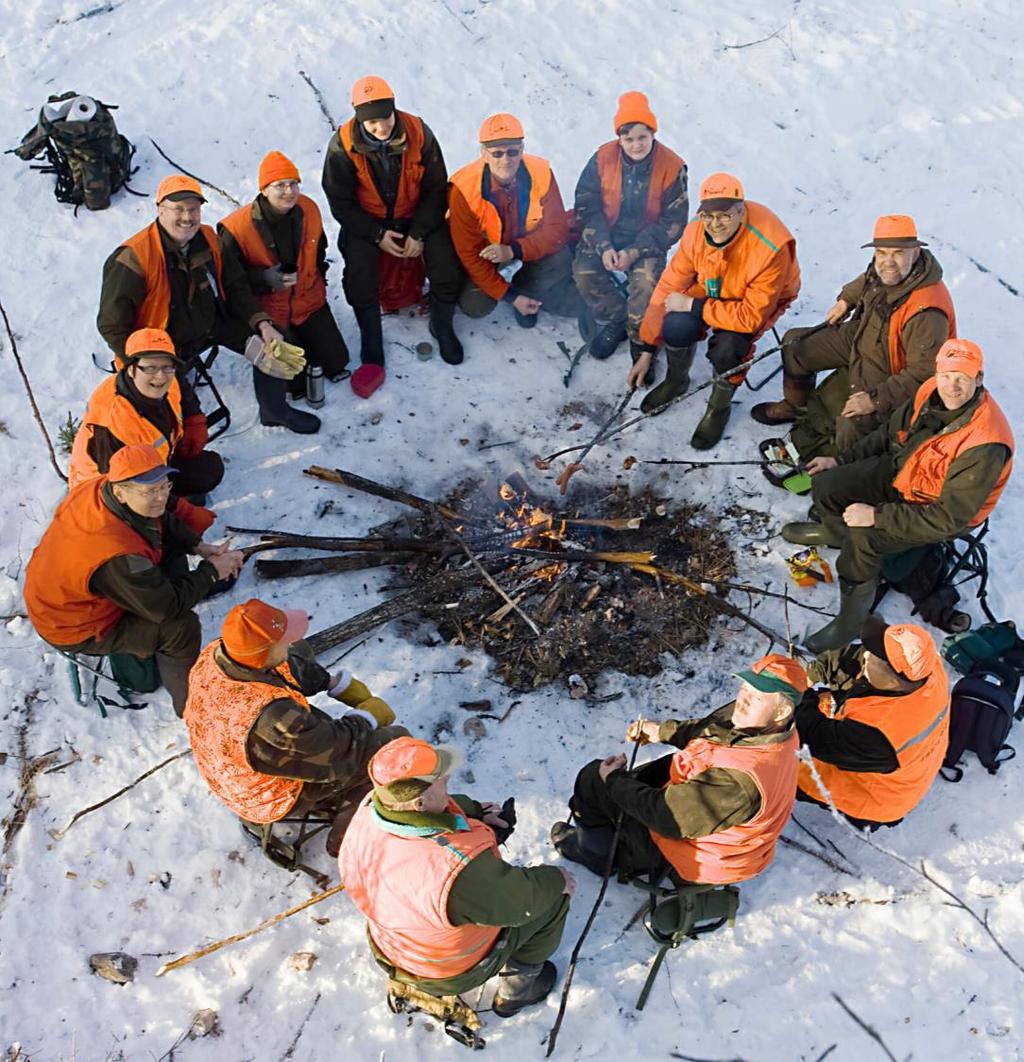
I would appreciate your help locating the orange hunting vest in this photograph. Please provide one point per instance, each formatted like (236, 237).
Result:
(155, 310)
(412, 170)
(469, 181)
(739, 852)
(917, 726)
(83, 535)
(107, 409)
(293, 305)
(923, 476)
(219, 714)
(932, 297)
(665, 168)
(401, 884)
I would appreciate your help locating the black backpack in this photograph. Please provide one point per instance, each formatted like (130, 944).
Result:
(82, 147)
(981, 713)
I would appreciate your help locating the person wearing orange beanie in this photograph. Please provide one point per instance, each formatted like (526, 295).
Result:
(278, 241)
(631, 206)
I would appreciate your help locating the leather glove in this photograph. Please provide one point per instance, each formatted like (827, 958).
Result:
(274, 278)
(508, 813)
(283, 361)
(354, 693)
(380, 710)
(196, 436)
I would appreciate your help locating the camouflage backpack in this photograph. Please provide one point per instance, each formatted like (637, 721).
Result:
(81, 144)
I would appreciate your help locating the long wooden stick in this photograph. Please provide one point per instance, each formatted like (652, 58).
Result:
(184, 960)
(379, 490)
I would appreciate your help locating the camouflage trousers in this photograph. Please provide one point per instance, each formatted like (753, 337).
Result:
(605, 298)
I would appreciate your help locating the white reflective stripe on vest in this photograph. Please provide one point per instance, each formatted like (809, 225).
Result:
(917, 738)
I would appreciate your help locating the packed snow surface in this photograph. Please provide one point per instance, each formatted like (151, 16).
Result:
(831, 113)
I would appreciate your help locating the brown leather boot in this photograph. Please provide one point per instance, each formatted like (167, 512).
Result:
(796, 390)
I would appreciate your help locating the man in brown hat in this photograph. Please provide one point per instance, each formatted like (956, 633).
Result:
(880, 337)
(510, 229)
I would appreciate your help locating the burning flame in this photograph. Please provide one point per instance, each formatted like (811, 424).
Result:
(540, 529)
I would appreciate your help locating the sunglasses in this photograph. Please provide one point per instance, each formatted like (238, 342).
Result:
(500, 153)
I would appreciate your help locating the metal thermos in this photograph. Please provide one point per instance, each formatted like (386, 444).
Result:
(314, 385)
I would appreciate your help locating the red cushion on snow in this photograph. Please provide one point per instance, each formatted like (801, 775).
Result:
(366, 379)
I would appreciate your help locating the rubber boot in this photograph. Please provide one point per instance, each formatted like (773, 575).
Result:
(796, 390)
(855, 601)
(809, 534)
(709, 431)
(606, 339)
(174, 678)
(677, 379)
(587, 845)
(442, 329)
(371, 334)
(636, 351)
(521, 984)
(271, 396)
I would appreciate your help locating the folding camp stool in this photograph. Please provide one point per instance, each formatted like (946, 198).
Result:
(287, 854)
(969, 555)
(219, 420)
(76, 666)
(461, 1022)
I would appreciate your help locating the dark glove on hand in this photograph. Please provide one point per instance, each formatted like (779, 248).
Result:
(196, 436)
(508, 813)
(273, 278)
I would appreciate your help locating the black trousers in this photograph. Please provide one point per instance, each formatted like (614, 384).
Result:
(360, 278)
(321, 339)
(196, 475)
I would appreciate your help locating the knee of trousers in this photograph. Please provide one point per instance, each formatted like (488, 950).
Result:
(727, 350)
(681, 329)
(860, 560)
(475, 303)
(180, 637)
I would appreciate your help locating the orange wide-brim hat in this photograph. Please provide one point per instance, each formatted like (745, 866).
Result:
(895, 230)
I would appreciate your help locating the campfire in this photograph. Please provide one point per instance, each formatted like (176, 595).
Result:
(620, 582)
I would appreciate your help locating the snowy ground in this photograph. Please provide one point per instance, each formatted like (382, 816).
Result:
(831, 113)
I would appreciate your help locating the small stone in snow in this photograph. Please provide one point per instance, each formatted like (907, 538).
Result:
(204, 1023)
(302, 961)
(115, 966)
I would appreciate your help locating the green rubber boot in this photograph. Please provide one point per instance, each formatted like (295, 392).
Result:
(708, 432)
(677, 379)
(855, 601)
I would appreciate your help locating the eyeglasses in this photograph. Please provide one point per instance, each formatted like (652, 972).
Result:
(284, 186)
(154, 370)
(182, 211)
(719, 216)
(153, 491)
(500, 153)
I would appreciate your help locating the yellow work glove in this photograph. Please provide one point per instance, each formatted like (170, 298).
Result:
(380, 710)
(354, 694)
(283, 361)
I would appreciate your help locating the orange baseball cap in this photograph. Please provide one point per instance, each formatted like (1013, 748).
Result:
(908, 649)
(960, 355)
(149, 341)
(372, 97)
(633, 107)
(277, 167)
(776, 673)
(720, 191)
(895, 230)
(177, 186)
(139, 463)
(500, 127)
(251, 630)
(406, 767)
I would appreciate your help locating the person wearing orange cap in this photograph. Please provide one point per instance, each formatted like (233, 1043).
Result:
(510, 229)
(881, 338)
(710, 812)
(879, 728)
(444, 911)
(108, 576)
(263, 749)
(631, 207)
(172, 275)
(150, 401)
(734, 274)
(279, 244)
(386, 183)
(934, 469)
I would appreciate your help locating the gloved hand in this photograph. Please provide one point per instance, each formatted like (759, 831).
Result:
(283, 361)
(274, 278)
(380, 710)
(196, 436)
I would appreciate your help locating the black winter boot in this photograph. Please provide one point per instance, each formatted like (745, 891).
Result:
(606, 339)
(708, 432)
(371, 334)
(271, 396)
(677, 379)
(521, 984)
(855, 601)
(443, 330)
(636, 351)
(587, 845)
(802, 533)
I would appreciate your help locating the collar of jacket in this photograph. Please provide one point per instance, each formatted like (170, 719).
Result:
(126, 388)
(396, 144)
(926, 270)
(240, 673)
(935, 413)
(719, 729)
(149, 528)
(416, 823)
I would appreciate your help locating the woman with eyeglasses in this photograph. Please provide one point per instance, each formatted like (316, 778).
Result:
(149, 402)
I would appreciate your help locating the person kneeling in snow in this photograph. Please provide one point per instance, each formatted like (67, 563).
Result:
(263, 749)
(712, 811)
(109, 575)
(445, 913)
(879, 731)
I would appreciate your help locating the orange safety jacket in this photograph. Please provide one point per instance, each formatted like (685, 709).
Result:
(219, 714)
(401, 883)
(155, 310)
(739, 852)
(931, 297)
(917, 727)
(665, 168)
(923, 475)
(748, 284)
(83, 535)
(293, 305)
(408, 196)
